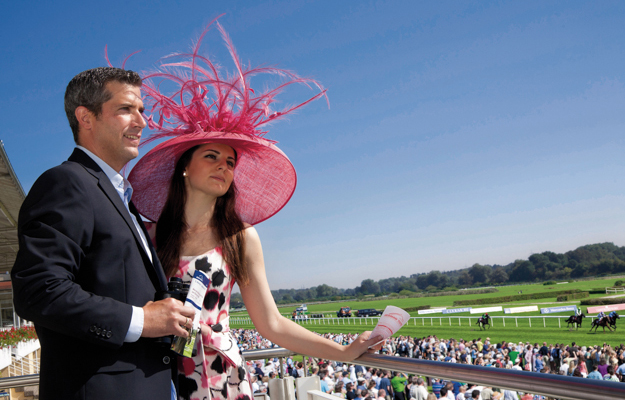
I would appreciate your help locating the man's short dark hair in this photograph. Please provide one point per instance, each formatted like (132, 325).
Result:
(443, 391)
(475, 394)
(88, 89)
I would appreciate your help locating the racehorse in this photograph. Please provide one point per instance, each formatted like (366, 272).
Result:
(612, 321)
(483, 322)
(575, 319)
(605, 322)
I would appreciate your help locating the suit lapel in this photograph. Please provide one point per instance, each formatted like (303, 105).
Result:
(107, 187)
(156, 264)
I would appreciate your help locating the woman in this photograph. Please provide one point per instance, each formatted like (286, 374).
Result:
(220, 176)
(529, 358)
(583, 368)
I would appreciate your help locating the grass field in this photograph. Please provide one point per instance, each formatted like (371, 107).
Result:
(449, 326)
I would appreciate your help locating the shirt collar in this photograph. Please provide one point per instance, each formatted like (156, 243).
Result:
(120, 184)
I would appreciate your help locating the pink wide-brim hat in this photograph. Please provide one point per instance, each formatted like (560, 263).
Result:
(263, 174)
(190, 102)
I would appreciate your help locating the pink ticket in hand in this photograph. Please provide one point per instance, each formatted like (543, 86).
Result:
(390, 322)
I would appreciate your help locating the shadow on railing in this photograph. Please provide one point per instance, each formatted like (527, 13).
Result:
(561, 387)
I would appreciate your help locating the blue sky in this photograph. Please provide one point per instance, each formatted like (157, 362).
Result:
(458, 132)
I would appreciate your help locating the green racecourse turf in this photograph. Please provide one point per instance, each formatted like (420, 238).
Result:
(439, 324)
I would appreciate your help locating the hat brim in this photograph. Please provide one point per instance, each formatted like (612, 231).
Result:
(263, 174)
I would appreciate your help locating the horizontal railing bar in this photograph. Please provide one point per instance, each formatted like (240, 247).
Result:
(563, 387)
(19, 381)
(532, 382)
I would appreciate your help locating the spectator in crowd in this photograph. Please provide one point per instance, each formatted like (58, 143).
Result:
(443, 393)
(373, 392)
(385, 383)
(339, 390)
(461, 393)
(603, 366)
(418, 391)
(381, 394)
(475, 395)
(620, 371)
(350, 392)
(487, 393)
(398, 382)
(610, 376)
(437, 384)
(325, 388)
(594, 374)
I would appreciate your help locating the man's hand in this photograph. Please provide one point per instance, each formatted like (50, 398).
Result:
(166, 317)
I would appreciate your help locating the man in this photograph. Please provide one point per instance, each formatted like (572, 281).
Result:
(594, 374)
(86, 273)
(385, 384)
(510, 395)
(437, 385)
(444, 392)
(398, 382)
(479, 343)
(381, 394)
(420, 392)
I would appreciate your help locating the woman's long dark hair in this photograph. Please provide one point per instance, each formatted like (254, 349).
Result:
(171, 226)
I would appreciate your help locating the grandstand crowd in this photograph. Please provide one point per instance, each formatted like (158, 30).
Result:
(354, 382)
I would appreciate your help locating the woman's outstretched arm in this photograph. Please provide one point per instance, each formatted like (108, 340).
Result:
(280, 330)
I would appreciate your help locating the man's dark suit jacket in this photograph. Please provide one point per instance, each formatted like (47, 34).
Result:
(79, 269)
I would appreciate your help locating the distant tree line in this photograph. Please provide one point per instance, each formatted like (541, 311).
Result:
(587, 261)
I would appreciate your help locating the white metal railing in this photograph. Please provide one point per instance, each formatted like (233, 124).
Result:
(24, 366)
(428, 321)
(609, 290)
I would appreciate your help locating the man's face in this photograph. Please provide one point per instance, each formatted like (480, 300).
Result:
(116, 132)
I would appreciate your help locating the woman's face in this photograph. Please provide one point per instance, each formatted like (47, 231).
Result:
(210, 170)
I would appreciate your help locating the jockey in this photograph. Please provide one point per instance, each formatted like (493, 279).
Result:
(612, 314)
(600, 316)
(578, 311)
(485, 317)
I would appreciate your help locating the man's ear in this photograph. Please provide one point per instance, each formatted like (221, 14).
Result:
(84, 117)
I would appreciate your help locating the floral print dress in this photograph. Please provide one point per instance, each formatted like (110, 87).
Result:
(218, 370)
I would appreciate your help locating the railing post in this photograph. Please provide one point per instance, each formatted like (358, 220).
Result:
(305, 367)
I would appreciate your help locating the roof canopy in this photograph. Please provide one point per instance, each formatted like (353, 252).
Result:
(11, 198)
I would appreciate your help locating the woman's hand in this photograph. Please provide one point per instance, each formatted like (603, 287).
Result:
(207, 332)
(361, 345)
